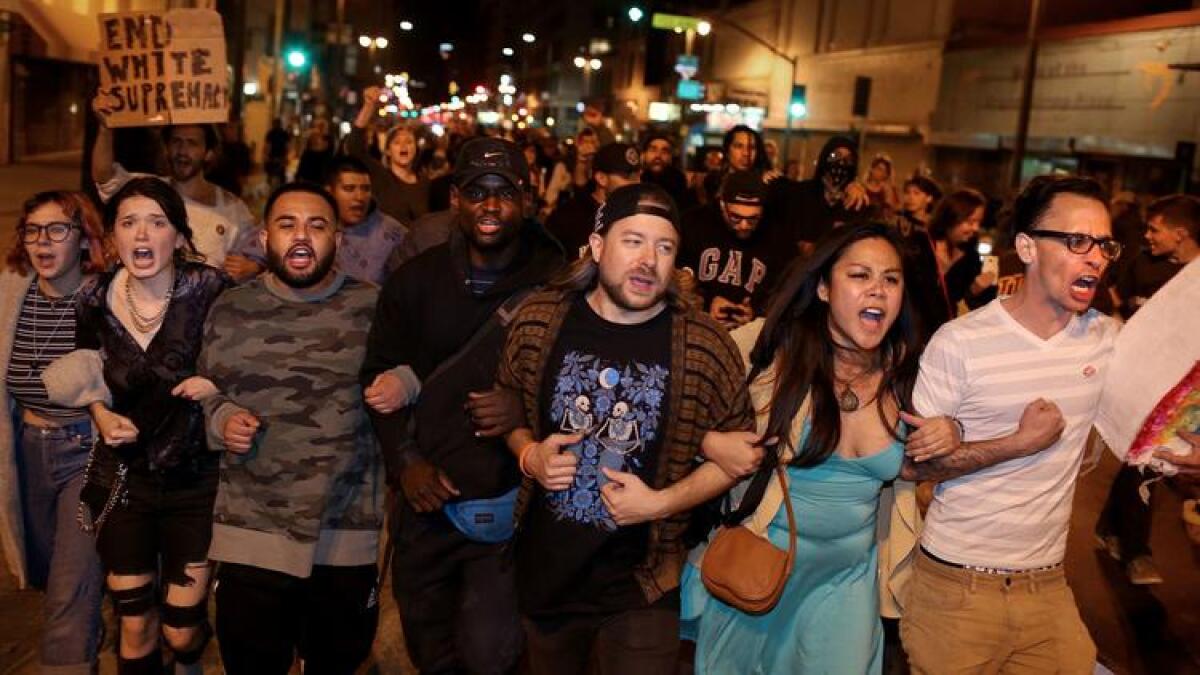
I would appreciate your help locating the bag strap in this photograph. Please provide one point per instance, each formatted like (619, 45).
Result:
(791, 516)
(499, 319)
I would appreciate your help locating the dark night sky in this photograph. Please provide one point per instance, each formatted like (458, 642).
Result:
(453, 21)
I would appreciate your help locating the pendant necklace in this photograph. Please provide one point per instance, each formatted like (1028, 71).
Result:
(36, 363)
(848, 401)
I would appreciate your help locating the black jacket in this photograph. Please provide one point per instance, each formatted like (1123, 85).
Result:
(425, 315)
(573, 222)
(802, 205)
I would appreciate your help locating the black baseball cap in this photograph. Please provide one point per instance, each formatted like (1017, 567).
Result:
(631, 200)
(621, 158)
(489, 155)
(743, 187)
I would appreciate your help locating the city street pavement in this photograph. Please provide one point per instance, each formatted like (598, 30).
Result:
(1152, 630)
(1139, 630)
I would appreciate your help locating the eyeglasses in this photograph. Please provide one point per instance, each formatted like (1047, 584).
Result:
(476, 194)
(30, 233)
(735, 218)
(1081, 244)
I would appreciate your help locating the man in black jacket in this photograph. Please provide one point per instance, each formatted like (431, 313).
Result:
(438, 331)
(832, 197)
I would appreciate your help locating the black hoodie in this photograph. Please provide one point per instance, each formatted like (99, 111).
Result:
(426, 313)
(802, 206)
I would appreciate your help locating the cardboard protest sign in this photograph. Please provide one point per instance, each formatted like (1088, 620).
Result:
(165, 67)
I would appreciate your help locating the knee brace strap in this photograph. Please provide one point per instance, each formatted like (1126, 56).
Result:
(133, 601)
(193, 655)
(176, 616)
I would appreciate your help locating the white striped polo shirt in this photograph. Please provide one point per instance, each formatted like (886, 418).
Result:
(984, 368)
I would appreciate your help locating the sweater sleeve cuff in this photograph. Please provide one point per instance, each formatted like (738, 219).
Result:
(217, 420)
(411, 383)
(76, 380)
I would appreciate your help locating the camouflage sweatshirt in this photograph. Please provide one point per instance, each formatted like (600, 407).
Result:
(310, 491)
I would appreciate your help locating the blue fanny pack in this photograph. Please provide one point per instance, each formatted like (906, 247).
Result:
(488, 521)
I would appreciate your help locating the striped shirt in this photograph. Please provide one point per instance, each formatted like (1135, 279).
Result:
(45, 331)
(984, 368)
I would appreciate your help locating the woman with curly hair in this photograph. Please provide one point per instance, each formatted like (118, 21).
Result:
(44, 446)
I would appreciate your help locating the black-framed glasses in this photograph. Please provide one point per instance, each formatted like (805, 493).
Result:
(30, 233)
(1081, 244)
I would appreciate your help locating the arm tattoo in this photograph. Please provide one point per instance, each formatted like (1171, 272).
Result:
(969, 458)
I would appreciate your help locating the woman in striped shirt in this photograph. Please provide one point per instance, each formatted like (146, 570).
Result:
(44, 447)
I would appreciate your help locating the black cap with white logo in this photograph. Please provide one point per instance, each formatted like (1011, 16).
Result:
(620, 158)
(482, 156)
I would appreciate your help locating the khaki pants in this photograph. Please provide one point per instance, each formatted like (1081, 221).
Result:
(959, 621)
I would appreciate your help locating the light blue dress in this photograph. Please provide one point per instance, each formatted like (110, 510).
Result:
(827, 620)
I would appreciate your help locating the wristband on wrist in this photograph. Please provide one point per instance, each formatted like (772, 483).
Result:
(962, 431)
(523, 455)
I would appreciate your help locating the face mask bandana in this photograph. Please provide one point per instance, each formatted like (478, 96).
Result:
(840, 172)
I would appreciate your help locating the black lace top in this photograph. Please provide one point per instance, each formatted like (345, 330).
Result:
(170, 429)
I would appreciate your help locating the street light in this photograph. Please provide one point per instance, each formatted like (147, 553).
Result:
(594, 64)
(364, 41)
(507, 51)
(580, 62)
(406, 25)
(636, 14)
(529, 38)
(703, 28)
(381, 42)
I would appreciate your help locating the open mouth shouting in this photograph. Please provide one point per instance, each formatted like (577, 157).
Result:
(44, 260)
(873, 318)
(1083, 289)
(642, 283)
(300, 257)
(143, 258)
(487, 226)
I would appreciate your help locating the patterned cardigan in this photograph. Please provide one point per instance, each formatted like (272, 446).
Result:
(707, 392)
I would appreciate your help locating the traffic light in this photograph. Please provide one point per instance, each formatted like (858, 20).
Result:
(798, 107)
(297, 58)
